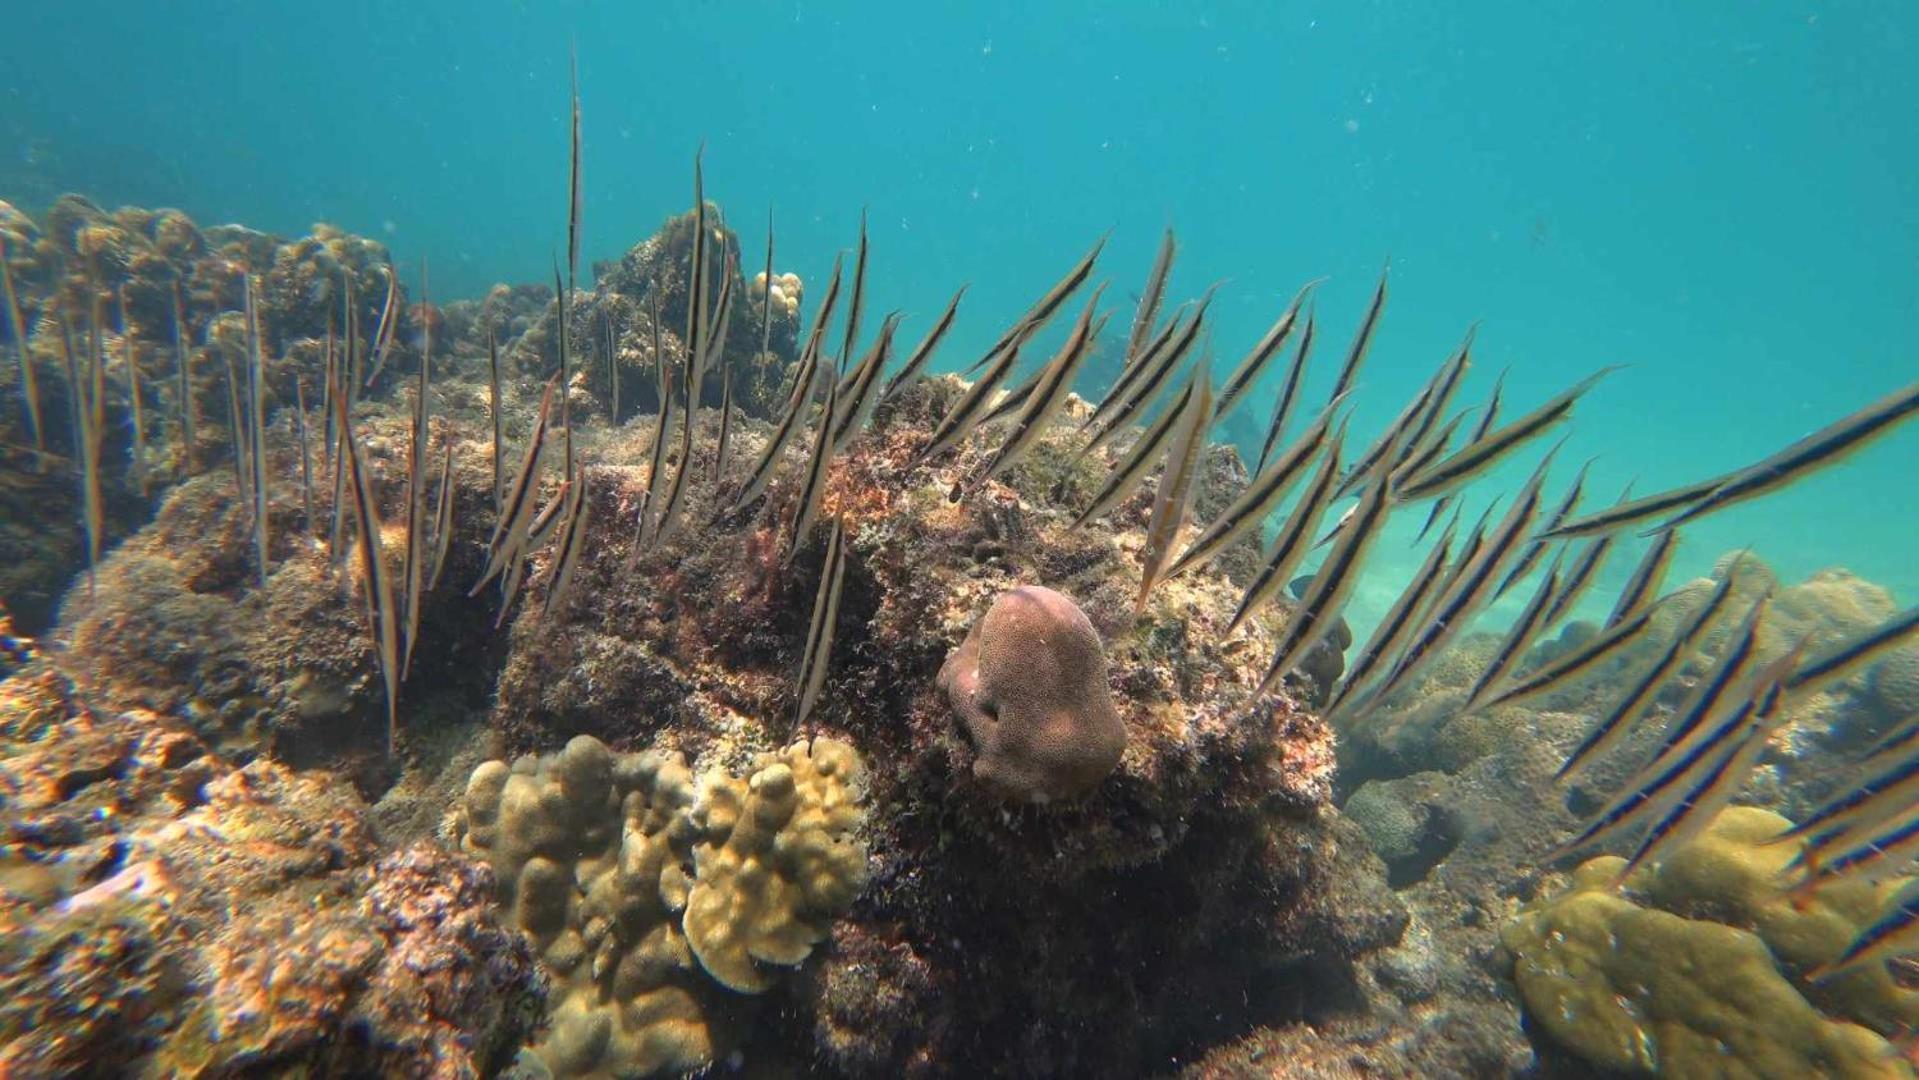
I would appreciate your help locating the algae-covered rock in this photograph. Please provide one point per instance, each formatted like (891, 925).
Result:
(1693, 971)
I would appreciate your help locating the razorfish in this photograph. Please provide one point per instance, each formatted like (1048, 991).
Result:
(516, 513)
(1288, 395)
(922, 353)
(382, 625)
(1042, 310)
(1356, 355)
(1620, 718)
(1536, 548)
(1891, 935)
(1127, 399)
(1146, 314)
(1050, 390)
(1489, 415)
(1646, 578)
(1248, 371)
(1450, 473)
(1176, 483)
(1828, 446)
(1261, 496)
(1290, 546)
(1335, 580)
(1623, 514)
(1398, 622)
(1519, 637)
(819, 632)
(1139, 459)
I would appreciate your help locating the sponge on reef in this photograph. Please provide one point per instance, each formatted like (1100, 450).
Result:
(1693, 972)
(636, 883)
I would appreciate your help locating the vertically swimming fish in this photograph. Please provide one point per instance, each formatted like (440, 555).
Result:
(1731, 666)
(1243, 376)
(1519, 637)
(697, 296)
(923, 352)
(1176, 482)
(1334, 581)
(1711, 786)
(256, 426)
(965, 414)
(1488, 416)
(499, 422)
(1128, 398)
(1828, 446)
(516, 513)
(1050, 389)
(573, 181)
(1364, 339)
(1290, 546)
(1139, 458)
(860, 387)
(1585, 570)
(442, 518)
(1288, 395)
(381, 624)
(1146, 315)
(611, 340)
(1476, 457)
(666, 524)
(306, 457)
(1623, 514)
(722, 317)
(726, 423)
(1619, 719)
(1393, 628)
(813, 488)
(413, 574)
(1531, 555)
(819, 632)
(88, 393)
(17, 326)
(572, 543)
(129, 355)
(1468, 590)
(1564, 667)
(1042, 311)
(1420, 442)
(1262, 494)
(1887, 937)
(388, 329)
(1890, 789)
(855, 302)
(184, 372)
(792, 420)
(1646, 578)
(1853, 654)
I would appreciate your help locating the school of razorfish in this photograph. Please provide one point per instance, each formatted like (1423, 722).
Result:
(1710, 743)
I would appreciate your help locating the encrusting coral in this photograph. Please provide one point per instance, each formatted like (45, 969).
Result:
(632, 878)
(1695, 970)
(1029, 683)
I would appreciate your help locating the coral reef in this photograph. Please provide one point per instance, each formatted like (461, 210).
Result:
(1693, 972)
(164, 913)
(624, 871)
(1029, 683)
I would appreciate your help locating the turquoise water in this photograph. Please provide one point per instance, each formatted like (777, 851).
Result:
(1724, 197)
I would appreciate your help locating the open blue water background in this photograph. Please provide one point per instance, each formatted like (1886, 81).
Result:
(1723, 196)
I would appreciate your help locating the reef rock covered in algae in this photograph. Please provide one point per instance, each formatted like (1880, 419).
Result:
(164, 913)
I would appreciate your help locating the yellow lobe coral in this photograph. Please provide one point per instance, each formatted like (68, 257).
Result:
(1689, 980)
(780, 860)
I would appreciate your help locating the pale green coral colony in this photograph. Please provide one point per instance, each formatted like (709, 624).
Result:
(650, 893)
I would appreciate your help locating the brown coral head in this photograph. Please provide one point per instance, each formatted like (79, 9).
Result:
(1029, 684)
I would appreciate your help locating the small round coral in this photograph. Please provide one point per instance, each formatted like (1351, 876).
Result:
(1029, 683)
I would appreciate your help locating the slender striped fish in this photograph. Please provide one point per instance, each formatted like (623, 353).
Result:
(1154, 372)
(1579, 580)
(442, 518)
(388, 329)
(516, 514)
(1248, 371)
(922, 353)
(1177, 482)
(130, 356)
(183, 368)
(1564, 668)
(1889, 936)
(1828, 446)
(256, 425)
(1619, 720)
(1478, 456)
(1393, 629)
(17, 326)
(1646, 578)
(1519, 637)
(960, 420)
(1333, 583)
(382, 626)
(573, 181)
(792, 420)
(1290, 547)
(1623, 514)
(1146, 315)
(1139, 459)
(572, 544)
(413, 577)
(1853, 654)
(1288, 394)
(858, 390)
(1487, 418)
(816, 658)
(1537, 547)
(855, 303)
(1363, 340)
(1154, 355)
(1258, 500)
(1049, 392)
(1042, 311)
(813, 489)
